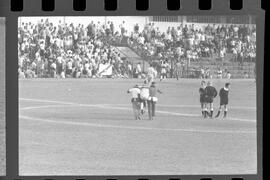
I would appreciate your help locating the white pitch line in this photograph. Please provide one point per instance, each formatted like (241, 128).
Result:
(41, 107)
(133, 127)
(112, 106)
(166, 112)
(46, 101)
(196, 106)
(161, 105)
(60, 106)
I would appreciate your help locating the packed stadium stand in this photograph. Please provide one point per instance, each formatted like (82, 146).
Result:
(68, 49)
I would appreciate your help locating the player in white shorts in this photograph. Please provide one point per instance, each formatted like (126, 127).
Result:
(151, 74)
(144, 95)
(135, 101)
(163, 71)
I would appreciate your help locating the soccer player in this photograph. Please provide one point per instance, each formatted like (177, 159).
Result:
(151, 103)
(144, 95)
(135, 101)
(151, 74)
(224, 99)
(138, 70)
(219, 73)
(202, 98)
(178, 68)
(163, 70)
(210, 94)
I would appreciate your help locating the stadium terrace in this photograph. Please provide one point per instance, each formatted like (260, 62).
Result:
(61, 48)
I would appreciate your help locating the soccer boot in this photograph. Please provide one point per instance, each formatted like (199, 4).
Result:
(217, 114)
(205, 114)
(211, 114)
(225, 114)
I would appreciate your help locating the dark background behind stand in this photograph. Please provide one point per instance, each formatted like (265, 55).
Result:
(126, 7)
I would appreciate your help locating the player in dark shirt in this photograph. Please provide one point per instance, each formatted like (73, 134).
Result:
(153, 90)
(210, 94)
(202, 98)
(224, 99)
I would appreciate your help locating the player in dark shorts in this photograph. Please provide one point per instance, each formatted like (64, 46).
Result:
(151, 103)
(210, 94)
(202, 98)
(224, 99)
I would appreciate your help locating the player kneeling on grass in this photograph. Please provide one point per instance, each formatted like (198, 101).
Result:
(135, 101)
(152, 100)
(224, 99)
(202, 98)
(210, 94)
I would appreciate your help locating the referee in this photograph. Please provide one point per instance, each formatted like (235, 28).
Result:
(210, 94)
(224, 99)
(151, 103)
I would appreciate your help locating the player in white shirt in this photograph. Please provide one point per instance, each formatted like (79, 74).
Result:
(163, 70)
(151, 74)
(53, 70)
(69, 68)
(130, 70)
(219, 73)
(178, 71)
(144, 95)
(135, 100)
(138, 70)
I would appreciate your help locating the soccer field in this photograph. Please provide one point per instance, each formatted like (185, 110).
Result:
(86, 127)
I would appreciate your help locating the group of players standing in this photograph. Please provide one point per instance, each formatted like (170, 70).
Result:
(142, 96)
(208, 93)
(146, 96)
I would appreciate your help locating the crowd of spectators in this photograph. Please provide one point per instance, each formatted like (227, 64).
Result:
(62, 50)
(65, 50)
(188, 41)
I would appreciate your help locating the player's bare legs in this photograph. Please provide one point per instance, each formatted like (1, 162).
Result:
(220, 107)
(153, 108)
(135, 110)
(149, 104)
(143, 106)
(225, 111)
(203, 108)
(211, 109)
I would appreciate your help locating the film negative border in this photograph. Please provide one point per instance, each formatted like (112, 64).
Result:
(124, 7)
(134, 6)
(111, 5)
(80, 5)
